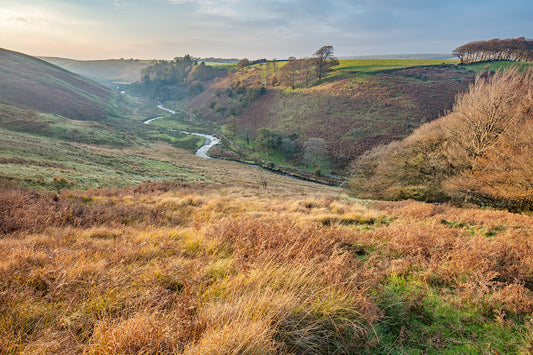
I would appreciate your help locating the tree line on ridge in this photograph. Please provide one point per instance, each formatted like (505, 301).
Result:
(513, 49)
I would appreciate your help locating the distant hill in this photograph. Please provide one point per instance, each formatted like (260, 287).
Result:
(110, 71)
(37, 84)
(117, 72)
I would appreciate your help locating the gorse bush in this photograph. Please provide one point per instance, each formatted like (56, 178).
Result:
(481, 152)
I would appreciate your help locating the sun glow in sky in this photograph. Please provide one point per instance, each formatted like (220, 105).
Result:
(99, 29)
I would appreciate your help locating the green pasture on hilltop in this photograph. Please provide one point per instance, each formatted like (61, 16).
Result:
(365, 67)
(361, 68)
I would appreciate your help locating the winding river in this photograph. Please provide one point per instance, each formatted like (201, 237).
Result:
(210, 140)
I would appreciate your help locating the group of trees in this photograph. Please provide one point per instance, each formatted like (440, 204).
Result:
(172, 79)
(306, 71)
(514, 49)
(298, 73)
(243, 63)
(481, 152)
(313, 152)
(268, 141)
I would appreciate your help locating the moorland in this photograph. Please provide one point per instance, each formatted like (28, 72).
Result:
(116, 239)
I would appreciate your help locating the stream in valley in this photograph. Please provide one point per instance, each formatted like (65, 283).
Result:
(210, 140)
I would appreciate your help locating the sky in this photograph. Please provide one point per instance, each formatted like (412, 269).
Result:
(164, 29)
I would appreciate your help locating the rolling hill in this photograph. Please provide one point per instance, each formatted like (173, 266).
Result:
(363, 103)
(110, 72)
(58, 129)
(31, 82)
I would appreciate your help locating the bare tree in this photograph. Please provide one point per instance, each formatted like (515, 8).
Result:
(324, 60)
(297, 72)
(288, 73)
(315, 151)
(481, 117)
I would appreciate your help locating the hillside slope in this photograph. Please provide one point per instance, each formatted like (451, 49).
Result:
(481, 152)
(58, 130)
(353, 111)
(43, 86)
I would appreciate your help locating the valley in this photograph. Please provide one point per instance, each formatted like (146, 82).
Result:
(118, 236)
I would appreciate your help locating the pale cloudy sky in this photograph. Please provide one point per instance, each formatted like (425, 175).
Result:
(98, 29)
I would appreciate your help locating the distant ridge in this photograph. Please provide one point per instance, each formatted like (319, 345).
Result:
(402, 56)
(109, 72)
(35, 83)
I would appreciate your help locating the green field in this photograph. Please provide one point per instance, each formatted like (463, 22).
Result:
(359, 68)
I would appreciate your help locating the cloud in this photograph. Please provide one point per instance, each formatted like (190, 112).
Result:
(24, 20)
(118, 3)
(259, 28)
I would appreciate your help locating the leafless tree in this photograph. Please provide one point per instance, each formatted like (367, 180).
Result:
(297, 73)
(491, 108)
(324, 60)
(315, 151)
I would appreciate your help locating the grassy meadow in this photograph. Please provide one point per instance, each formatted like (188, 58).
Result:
(235, 268)
(363, 68)
(38, 148)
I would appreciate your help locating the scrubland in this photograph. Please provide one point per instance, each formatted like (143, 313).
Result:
(227, 269)
(481, 152)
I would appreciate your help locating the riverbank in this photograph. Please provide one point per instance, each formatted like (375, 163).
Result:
(211, 141)
(200, 152)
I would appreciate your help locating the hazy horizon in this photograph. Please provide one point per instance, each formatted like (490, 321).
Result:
(164, 29)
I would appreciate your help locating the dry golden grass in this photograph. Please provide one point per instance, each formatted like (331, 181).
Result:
(212, 269)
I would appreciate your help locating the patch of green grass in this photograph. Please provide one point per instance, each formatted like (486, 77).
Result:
(35, 161)
(420, 320)
(227, 66)
(473, 229)
(54, 126)
(169, 129)
(362, 68)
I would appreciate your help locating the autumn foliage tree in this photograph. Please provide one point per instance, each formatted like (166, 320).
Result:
(490, 134)
(297, 73)
(243, 63)
(481, 152)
